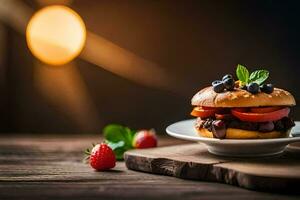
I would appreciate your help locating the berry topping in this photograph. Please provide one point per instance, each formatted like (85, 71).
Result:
(219, 123)
(227, 76)
(218, 86)
(253, 88)
(229, 83)
(102, 157)
(267, 88)
(144, 139)
(266, 127)
(218, 129)
(216, 82)
(252, 82)
(282, 125)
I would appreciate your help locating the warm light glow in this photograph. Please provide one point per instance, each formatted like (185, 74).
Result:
(56, 35)
(64, 89)
(124, 63)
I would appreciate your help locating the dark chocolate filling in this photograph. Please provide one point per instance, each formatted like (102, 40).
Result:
(218, 127)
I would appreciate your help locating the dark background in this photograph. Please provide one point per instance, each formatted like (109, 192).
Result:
(195, 41)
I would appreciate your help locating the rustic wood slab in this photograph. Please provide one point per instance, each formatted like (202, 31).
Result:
(192, 161)
(49, 167)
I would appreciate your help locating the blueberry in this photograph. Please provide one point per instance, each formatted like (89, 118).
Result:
(279, 126)
(253, 88)
(218, 87)
(229, 83)
(244, 87)
(251, 126)
(216, 82)
(266, 127)
(218, 123)
(219, 129)
(267, 88)
(287, 122)
(227, 76)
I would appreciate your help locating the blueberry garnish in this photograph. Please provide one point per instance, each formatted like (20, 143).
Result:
(244, 87)
(267, 88)
(218, 86)
(253, 88)
(216, 82)
(227, 76)
(228, 83)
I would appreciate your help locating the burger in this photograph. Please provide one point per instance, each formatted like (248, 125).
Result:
(243, 109)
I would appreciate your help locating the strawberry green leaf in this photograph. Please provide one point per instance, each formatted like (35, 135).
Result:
(115, 145)
(119, 148)
(116, 133)
(86, 159)
(119, 138)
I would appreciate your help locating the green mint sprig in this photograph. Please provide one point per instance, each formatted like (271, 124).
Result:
(258, 76)
(118, 138)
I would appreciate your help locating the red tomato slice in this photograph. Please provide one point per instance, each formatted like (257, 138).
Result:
(264, 109)
(261, 117)
(208, 108)
(203, 113)
(242, 109)
(217, 109)
(223, 116)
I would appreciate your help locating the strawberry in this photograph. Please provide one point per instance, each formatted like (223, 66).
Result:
(144, 139)
(102, 157)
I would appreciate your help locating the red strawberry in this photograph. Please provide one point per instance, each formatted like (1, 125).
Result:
(102, 157)
(144, 139)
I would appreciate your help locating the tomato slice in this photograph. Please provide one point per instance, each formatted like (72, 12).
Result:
(242, 109)
(264, 109)
(261, 117)
(223, 116)
(203, 113)
(209, 108)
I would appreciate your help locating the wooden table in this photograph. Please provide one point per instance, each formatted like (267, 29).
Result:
(50, 167)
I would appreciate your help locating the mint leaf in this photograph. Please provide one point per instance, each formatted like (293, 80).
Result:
(259, 76)
(242, 73)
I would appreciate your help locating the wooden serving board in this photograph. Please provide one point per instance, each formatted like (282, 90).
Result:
(192, 161)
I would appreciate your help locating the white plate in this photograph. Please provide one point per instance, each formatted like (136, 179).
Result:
(234, 147)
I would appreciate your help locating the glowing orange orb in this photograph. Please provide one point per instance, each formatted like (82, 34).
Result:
(56, 35)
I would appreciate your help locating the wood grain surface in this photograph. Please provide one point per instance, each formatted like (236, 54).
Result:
(193, 161)
(50, 167)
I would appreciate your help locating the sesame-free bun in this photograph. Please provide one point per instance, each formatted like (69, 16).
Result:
(234, 133)
(242, 98)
